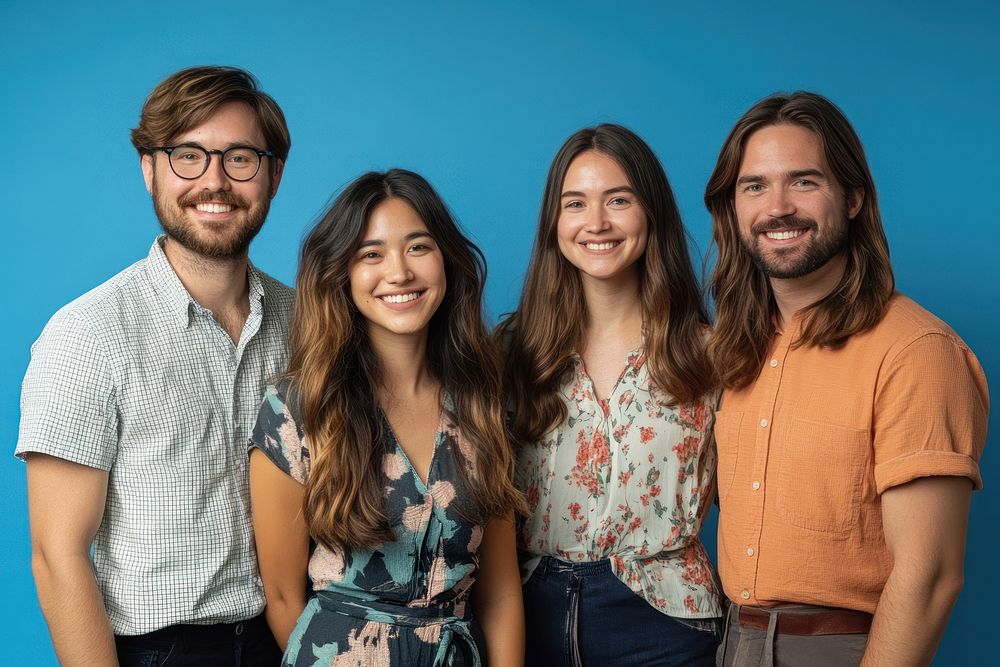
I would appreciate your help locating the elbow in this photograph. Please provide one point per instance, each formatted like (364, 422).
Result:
(948, 587)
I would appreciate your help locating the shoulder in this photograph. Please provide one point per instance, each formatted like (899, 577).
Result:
(906, 323)
(278, 292)
(98, 313)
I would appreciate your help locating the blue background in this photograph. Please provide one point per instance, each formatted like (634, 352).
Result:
(478, 97)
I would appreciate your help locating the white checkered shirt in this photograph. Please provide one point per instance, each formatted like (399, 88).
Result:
(136, 378)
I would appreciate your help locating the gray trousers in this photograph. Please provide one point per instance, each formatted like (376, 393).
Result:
(749, 647)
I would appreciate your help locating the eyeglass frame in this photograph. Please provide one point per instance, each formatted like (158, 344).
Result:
(208, 162)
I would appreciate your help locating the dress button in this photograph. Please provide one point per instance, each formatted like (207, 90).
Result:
(749, 551)
(774, 363)
(755, 485)
(763, 423)
(745, 595)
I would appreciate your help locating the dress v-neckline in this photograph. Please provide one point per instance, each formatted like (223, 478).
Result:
(422, 484)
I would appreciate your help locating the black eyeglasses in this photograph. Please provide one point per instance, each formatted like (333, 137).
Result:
(190, 161)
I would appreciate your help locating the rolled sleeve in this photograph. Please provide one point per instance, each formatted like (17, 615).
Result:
(68, 398)
(931, 413)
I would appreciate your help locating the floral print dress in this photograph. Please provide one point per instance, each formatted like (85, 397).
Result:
(404, 602)
(629, 479)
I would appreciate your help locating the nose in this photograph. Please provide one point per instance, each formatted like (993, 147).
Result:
(596, 220)
(780, 203)
(215, 178)
(397, 270)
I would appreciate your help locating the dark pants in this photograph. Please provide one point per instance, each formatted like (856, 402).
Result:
(245, 644)
(582, 614)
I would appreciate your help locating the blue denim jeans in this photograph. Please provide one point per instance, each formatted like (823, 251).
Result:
(582, 614)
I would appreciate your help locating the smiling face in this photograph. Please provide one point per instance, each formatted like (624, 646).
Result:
(602, 227)
(397, 275)
(213, 215)
(793, 214)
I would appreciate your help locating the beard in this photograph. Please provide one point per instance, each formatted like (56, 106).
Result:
(231, 244)
(795, 262)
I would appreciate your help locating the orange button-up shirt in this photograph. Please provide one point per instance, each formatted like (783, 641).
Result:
(806, 450)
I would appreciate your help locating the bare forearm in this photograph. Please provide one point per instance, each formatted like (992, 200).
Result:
(74, 611)
(910, 620)
(281, 615)
(502, 621)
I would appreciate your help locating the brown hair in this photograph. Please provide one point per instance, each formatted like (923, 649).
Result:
(187, 98)
(335, 373)
(744, 301)
(547, 327)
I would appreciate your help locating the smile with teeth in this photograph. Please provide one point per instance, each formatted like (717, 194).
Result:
(401, 298)
(785, 234)
(210, 207)
(603, 245)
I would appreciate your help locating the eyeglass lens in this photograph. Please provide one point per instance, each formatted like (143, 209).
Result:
(240, 164)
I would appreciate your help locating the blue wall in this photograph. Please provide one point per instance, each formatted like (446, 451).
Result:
(478, 98)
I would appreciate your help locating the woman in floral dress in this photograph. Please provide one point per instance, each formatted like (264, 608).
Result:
(385, 444)
(612, 403)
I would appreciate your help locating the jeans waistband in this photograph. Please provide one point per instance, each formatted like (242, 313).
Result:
(550, 564)
(196, 632)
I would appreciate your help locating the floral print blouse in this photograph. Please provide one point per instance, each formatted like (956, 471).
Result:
(403, 602)
(629, 479)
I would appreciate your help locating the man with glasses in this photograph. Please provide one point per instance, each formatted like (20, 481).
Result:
(141, 394)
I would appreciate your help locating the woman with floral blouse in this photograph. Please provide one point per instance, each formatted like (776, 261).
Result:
(385, 444)
(612, 402)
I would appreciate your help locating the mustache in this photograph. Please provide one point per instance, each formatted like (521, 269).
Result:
(227, 198)
(779, 224)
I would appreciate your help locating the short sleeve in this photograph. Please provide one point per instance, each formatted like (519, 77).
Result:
(69, 399)
(277, 433)
(931, 413)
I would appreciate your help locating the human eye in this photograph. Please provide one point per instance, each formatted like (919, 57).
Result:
(188, 154)
(619, 201)
(805, 183)
(753, 188)
(573, 204)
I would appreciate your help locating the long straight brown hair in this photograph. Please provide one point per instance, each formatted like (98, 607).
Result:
(335, 373)
(744, 301)
(547, 327)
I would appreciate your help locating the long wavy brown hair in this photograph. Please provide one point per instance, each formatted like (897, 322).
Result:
(548, 326)
(744, 301)
(335, 373)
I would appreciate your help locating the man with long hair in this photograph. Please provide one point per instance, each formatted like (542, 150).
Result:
(141, 395)
(852, 420)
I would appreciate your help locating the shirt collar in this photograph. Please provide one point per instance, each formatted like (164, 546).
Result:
(173, 293)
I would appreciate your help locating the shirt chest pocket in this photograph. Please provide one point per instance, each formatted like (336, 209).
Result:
(821, 475)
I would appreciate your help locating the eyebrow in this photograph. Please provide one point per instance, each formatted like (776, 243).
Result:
(406, 239)
(798, 173)
(609, 191)
(232, 144)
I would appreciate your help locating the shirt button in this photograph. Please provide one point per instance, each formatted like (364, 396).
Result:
(755, 485)
(239, 628)
(745, 595)
(763, 423)
(774, 363)
(749, 551)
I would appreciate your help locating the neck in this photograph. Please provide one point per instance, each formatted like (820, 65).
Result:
(794, 294)
(403, 364)
(217, 284)
(613, 307)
